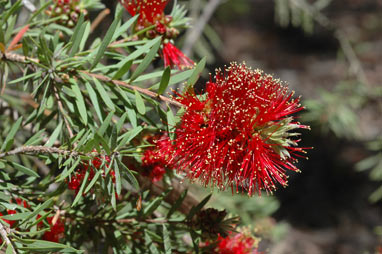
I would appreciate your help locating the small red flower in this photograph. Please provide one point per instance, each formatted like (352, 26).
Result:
(172, 56)
(78, 177)
(10, 222)
(153, 163)
(240, 243)
(56, 230)
(239, 134)
(151, 13)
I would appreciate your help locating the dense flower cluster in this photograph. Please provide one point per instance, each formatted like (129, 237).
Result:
(69, 11)
(56, 229)
(240, 243)
(238, 133)
(153, 163)
(20, 202)
(156, 23)
(77, 178)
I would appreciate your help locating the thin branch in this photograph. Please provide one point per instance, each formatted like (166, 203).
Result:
(193, 34)
(135, 88)
(99, 19)
(355, 65)
(23, 59)
(61, 108)
(4, 235)
(44, 150)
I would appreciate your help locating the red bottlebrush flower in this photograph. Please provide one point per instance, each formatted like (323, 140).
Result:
(149, 11)
(10, 222)
(240, 134)
(19, 201)
(153, 163)
(152, 14)
(172, 56)
(240, 243)
(56, 230)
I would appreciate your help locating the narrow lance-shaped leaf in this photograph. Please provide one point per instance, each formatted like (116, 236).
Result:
(164, 80)
(39, 208)
(140, 103)
(80, 102)
(9, 139)
(166, 240)
(146, 61)
(197, 208)
(177, 204)
(104, 95)
(195, 74)
(94, 99)
(24, 170)
(54, 135)
(106, 41)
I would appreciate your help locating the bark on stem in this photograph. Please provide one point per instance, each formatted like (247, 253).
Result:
(4, 235)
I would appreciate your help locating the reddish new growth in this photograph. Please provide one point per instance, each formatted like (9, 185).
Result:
(153, 163)
(238, 133)
(56, 229)
(78, 177)
(156, 23)
(240, 243)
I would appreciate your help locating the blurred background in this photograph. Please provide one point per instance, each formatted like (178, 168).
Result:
(330, 52)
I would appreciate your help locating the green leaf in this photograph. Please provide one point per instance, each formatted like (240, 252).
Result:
(42, 246)
(36, 138)
(54, 135)
(16, 216)
(105, 124)
(195, 74)
(39, 208)
(149, 209)
(166, 240)
(106, 40)
(197, 208)
(78, 35)
(128, 136)
(25, 170)
(79, 194)
(104, 95)
(130, 177)
(164, 80)
(122, 29)
(26, 77)
(117, 178)
(146, 60)
(80, 102)
(76, 32)
(93, 181)
(113, 137)
(140, 51)
(9, 139)
(10, 249)
(121, 71)
(149, 242)
(140, 103)
(121, 121)
(86, 35)
(132, 117)
(171, 123)
(177, 203)
(94, 99)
